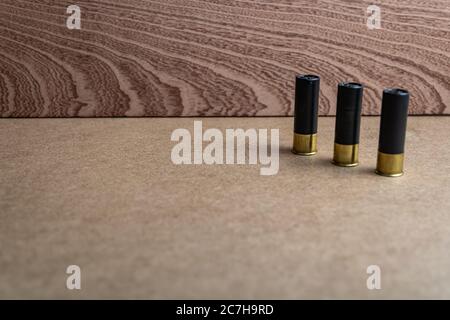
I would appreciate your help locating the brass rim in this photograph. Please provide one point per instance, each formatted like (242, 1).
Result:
(345, 165)
(392, 175)
(303, 154)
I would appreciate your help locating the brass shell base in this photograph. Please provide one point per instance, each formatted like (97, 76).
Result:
(305, 144)
(351, 165)
(346, 155)
(390, 165)
(393, 175)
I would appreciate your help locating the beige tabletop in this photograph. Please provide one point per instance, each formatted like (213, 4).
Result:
(103, 194)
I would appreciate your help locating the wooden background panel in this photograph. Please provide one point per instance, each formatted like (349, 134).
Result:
(216, 57)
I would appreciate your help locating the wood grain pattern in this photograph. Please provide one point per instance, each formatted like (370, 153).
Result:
(216, 57)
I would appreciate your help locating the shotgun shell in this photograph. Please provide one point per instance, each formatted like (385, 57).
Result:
(306, 113)
(348, 121)
(394, 116)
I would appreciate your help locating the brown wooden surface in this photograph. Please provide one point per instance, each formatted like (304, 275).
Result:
(103, 194)
(215, 57)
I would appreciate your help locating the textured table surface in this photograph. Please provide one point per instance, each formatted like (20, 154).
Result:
(104, 195)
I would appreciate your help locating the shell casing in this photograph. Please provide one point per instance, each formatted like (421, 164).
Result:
(307, 89)
(390, 165)
(346, 155)
(348, 122)
(305, 144)
(394, 116)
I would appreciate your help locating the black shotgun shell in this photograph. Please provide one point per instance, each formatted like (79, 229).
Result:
(348, 122)
(307, 89)
(394, 116)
